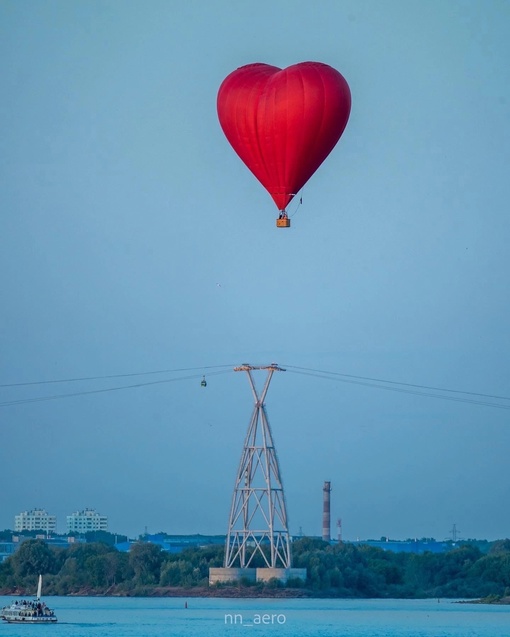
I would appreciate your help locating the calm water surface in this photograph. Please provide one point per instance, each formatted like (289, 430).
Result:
(168, 617)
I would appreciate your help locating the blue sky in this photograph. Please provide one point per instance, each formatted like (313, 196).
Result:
(123, 206)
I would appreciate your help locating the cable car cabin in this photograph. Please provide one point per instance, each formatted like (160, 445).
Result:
(283, 222)
(203, 383)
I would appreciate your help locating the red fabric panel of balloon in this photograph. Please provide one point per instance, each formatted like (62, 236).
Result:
(283, 123)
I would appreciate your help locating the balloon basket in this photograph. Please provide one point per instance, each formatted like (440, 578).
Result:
(283, 223)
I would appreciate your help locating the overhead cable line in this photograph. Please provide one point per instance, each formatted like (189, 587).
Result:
(401, 390)
(110, 376)
(23, 401)
(366, 381)
(394, 382)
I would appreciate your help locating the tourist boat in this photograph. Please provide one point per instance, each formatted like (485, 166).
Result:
(29, 612)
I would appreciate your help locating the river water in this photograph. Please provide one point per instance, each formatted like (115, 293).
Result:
(213, 617)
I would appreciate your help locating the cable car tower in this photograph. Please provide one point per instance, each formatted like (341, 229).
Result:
(258, 515)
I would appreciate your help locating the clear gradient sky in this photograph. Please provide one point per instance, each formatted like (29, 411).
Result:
(123, 207)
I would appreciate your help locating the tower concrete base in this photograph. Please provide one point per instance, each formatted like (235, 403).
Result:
(223, 575)
(281, 574)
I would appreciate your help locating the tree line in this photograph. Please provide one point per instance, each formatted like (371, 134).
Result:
(341, 570)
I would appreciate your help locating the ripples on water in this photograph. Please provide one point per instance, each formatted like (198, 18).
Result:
(212, 617)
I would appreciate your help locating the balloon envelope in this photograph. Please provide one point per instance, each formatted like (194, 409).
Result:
(283, 123)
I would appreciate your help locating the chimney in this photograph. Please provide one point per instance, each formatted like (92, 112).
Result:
(326, 513)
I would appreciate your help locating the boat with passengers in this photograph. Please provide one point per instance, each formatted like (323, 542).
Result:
(29, 611)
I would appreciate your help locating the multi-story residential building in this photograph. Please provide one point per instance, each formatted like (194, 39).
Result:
(87, 520)
(35, 520)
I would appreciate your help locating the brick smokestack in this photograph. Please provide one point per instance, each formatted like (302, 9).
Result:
(326, 512)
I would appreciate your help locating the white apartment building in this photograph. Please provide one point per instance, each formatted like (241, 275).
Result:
(87, 520)
(35, 520)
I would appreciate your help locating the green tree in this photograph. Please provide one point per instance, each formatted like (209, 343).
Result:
(495, 568)
(34, 557)
(95, 570)
(146, 560)
(84, 565)
(104, 537)
(171, 574)
(500, 546)
(6, 535)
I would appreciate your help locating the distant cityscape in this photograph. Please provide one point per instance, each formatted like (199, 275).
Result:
(78, 522)
(88, 525)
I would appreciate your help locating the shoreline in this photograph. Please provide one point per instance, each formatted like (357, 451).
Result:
(233, 592)
(169, 591)
(494, 600)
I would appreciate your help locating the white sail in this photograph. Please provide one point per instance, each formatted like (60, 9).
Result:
(39, 587)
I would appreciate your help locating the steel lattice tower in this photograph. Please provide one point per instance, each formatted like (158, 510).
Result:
(258, 515)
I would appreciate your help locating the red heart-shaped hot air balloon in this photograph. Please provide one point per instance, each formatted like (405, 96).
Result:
(283, 123)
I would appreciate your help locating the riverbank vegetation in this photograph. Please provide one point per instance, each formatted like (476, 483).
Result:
(344, 570)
